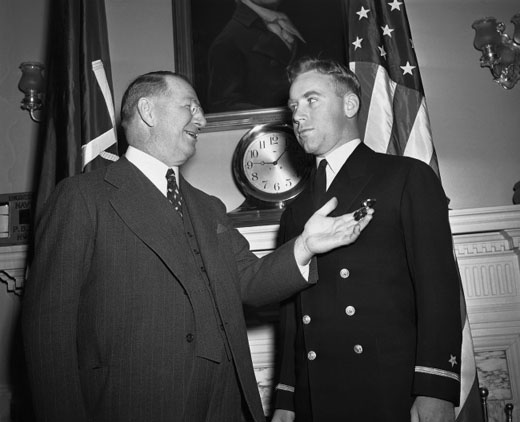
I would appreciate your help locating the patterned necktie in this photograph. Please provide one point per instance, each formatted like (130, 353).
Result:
(173, 194)
(320, 183)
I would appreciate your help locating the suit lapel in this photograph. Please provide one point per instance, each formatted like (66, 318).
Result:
(148, 214)
(351, 181)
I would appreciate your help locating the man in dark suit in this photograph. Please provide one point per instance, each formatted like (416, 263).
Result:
(247, 60)
(133, 308)
(379, 337)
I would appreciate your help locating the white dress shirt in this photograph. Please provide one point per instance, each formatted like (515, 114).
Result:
(336, 158)
(151, 167)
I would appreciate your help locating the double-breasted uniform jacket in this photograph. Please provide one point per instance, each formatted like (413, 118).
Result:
(247, 65)
(114, 317)
(383, 323)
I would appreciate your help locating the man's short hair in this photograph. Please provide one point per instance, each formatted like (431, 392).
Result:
(149, 84)
(344, 79)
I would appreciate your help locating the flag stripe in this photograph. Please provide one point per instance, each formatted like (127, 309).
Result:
(468, 368)
(405, 107)
(420, 143)
(102, 81)
(98, 145)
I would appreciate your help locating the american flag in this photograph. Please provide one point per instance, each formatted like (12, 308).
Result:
(78, 128)
(394, 119)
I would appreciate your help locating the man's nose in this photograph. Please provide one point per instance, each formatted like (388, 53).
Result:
(298, 117)
(198, 117)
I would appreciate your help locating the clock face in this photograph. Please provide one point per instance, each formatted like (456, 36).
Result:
(269, 164)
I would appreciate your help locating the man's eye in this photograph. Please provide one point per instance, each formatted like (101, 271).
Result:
(311, 100)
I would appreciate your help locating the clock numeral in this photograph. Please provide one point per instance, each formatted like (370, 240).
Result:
(254, 153)
(262, 144)
(273, 139)
(276, 186)
(249, 165)
(288, 183)
(264, 182)
(254, 176)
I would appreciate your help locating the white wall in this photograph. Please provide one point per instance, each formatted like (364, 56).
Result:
(140, 39)
(475, 122)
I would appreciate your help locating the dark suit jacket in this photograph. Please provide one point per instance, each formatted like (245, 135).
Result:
(384, 319)
(247, 65)
(112, 321)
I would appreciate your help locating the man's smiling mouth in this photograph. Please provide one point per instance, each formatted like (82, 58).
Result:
(192, 134)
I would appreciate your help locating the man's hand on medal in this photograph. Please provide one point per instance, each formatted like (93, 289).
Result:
(323, 233)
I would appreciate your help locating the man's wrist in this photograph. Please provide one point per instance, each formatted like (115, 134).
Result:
(302, 254)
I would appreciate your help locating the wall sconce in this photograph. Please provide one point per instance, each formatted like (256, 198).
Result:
(499, 52)
(31, 84)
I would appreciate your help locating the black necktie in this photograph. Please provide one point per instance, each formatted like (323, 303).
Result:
(320, 183)
(173, 194)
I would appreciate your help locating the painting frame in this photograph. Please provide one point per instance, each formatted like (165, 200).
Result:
(185, 50)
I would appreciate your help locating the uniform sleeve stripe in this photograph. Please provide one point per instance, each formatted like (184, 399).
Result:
(285, 387)
(436, 371)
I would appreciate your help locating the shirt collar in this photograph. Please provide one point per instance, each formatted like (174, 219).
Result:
(337, 158)
(151, 167)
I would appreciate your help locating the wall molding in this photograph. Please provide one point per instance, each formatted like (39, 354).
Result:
(12, 268)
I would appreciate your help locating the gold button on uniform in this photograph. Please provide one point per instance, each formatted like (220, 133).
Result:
(350, 310)
(358, 349)
(311, 355)
(306, 319)
(344, 273)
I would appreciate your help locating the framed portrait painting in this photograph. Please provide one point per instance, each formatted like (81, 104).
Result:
(236, 52)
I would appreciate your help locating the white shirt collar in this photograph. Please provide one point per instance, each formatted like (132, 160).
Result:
(151, 167)
(337, 158)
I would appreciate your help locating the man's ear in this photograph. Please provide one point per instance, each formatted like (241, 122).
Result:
(145, 110)
(350, 104)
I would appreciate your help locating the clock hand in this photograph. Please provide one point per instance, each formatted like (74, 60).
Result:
(275, 162)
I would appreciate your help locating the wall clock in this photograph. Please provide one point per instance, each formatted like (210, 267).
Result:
(270, 168)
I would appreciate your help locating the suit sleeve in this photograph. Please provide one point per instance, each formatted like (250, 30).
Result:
(260, 281)
(433, 268)
(63, 244)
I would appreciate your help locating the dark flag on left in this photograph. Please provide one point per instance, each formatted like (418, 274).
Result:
(78, 129)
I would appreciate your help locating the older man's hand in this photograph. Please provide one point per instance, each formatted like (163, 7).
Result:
(322, 233)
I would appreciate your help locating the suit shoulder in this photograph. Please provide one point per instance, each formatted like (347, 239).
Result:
(406, 164)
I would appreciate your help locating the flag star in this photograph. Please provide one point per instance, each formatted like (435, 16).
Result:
(395, 5)
(387, 31)
(382, 51)
(363, 13)
(357, 43)
(453, 360)
(408, 68)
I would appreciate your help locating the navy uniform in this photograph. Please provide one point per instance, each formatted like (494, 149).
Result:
(383, 324)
